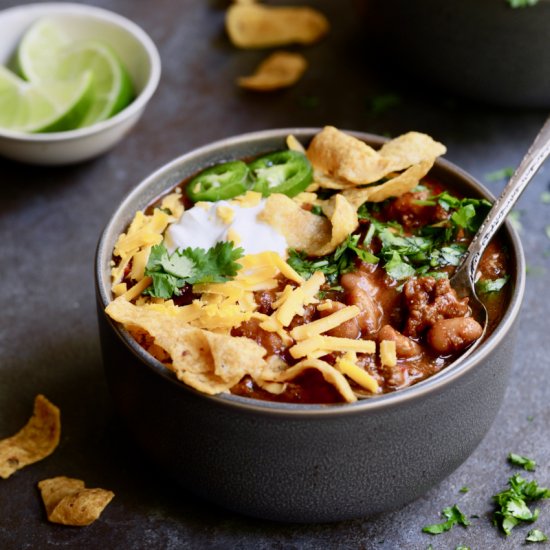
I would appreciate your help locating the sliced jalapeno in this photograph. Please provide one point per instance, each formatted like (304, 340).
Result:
(286, 172)
(219, 182)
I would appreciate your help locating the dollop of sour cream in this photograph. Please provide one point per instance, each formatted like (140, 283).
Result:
(205, 224)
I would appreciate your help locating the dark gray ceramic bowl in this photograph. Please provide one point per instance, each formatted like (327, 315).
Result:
(483, 49)
(302, 463)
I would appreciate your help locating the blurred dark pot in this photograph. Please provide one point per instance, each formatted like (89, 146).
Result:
(482, 49)
(302, 463)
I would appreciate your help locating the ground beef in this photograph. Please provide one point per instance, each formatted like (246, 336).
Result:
(428, 300)
(406, 210)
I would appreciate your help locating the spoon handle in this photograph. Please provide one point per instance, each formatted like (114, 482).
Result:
(531, 162)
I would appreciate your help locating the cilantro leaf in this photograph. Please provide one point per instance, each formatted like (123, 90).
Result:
(508, 172)
(454, 517)
(545, 197)
(535, 535)
(512, 506)
(170, 272)
(341, 261)
(491, 285)
(518, 460)
(382, 103)
(464, 489)
(522, 3)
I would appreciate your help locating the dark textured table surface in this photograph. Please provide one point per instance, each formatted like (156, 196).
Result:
(50, 220)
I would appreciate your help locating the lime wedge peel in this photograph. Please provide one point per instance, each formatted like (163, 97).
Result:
(47, 53)
(54, 106)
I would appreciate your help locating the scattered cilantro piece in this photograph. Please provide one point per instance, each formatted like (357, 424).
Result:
(518, 460)
(491, 285)
(530, 418)
(535, 535)
(462, 547)
(514, 217)
(454, 517)
(341, 261)
(545, 197)
(191, 265)
(512, 506)
(384, 102)
(547, 231)
(522, 3)
(464, 489)
(503, 173)
(317, 210)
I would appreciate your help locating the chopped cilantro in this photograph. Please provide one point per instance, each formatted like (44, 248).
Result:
(486, 286)
(518, 460)
(530, 418)
(535, 535)
(503, 173)
(454, 517)
(464, 489)
(317, 210)
(512, 506)
(462, 547)
(547, 231)
(379, 104)
(170, 272)
(522, 3)
(545, 197)
(514, 217)
(333, 265)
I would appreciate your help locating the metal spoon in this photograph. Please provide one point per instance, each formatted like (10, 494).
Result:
(464, 278)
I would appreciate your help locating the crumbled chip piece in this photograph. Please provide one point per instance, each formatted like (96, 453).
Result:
(347, 159)
(307, 232)
(68, 502)
(35, 441)
(279, 70)
(207, 361)
(409, 149)
(257, 26)
(395, 187)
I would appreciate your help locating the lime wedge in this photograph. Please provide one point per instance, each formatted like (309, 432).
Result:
(47, 53)
(52, 106)
(36, 57)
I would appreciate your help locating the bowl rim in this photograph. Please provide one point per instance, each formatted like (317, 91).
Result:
(432, 385)
(104, 15)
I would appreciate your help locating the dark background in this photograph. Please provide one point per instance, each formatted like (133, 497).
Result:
(50, 221)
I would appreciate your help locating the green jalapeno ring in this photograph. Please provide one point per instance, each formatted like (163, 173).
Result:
(287, 172)
(220, 182)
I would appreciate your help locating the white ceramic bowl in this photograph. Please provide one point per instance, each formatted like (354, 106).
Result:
(134, 47)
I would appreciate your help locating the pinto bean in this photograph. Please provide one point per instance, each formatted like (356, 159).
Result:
(452, 335)
(359, 292)
(404, 347)
(348, 329)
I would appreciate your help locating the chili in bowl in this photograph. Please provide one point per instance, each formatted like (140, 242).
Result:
(276, 321)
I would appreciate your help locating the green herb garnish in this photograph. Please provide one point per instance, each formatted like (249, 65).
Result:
(535, 535)
(522, 3)
(341, 261)
(512, 506)
(545, 197)
(454, 517)
(486, 286)
(518, 460)
(382, 103)
(170, 272)
(503, 173)
(464, 489)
